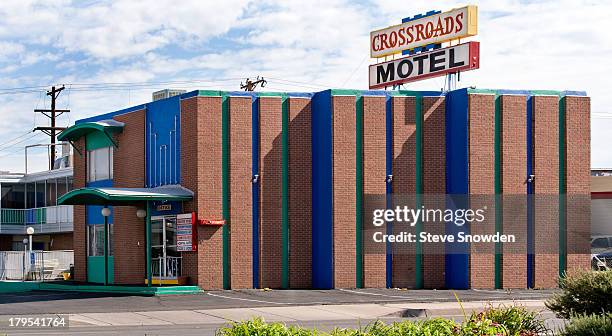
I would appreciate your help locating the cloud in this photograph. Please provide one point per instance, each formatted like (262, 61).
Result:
(296, 45)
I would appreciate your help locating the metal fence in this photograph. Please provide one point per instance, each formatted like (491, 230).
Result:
(58, 218)
(601, 263)
(36, 266)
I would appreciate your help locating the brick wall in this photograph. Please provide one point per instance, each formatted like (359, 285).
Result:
(514, 168)
(404, 182)
(80, 232)
(271, 178)
(129, 230)
(300, 198)
(546, 170)
(201, 172)
(60, 241)
(578, 163)
(374, 154)
(482, 185)
(344, 190)
(434, 169)
(241, 200)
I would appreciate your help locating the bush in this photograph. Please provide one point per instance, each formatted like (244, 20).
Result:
(584, 293)
(492, 322)
(517, 320)
(589, 325)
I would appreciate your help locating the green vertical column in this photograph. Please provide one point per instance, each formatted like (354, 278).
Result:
(562, 189)
(225, 190)
(148, 245)
(499, 215)
(359, 192)
(285, 193)
(419, 282)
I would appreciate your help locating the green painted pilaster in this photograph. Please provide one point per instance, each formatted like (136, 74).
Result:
(499, 215)
(285, 192)
(562, 189)
(359, 192)
(225, 190)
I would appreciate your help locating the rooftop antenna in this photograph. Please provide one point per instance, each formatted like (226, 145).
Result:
(252, 85)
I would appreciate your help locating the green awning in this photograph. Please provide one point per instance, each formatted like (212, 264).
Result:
(77, 131)
(124, 196)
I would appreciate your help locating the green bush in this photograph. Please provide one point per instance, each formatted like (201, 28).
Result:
(583, 293)
(517, 320)
(492, 322)
(589, 325)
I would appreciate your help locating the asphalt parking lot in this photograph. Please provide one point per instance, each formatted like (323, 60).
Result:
(45, 302)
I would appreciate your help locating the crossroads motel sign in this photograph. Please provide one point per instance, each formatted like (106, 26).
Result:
(443, 27)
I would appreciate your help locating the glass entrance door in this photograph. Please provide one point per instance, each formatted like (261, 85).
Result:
(165, 259)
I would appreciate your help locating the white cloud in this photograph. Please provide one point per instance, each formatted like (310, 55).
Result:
(297, 45)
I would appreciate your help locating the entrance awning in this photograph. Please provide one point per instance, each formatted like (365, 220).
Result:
(105, 127)
(124, 196)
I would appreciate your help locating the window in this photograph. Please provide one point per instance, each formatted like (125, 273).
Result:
(95, 240)
(100, 164)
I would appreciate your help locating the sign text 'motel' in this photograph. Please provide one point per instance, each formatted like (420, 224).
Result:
(454, 24)
(435, 63)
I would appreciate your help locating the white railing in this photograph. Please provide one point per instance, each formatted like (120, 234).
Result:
(168, 268)
(51, 219)
(43, 265)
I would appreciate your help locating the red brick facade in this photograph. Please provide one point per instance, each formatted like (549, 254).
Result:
(481, 109)
(201, 157)
(374, 264)
(129, 230)
(271, 183)
(300, 193)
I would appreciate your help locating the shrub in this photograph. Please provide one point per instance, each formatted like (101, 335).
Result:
(583, 293)
(516, 319)
(589, 325)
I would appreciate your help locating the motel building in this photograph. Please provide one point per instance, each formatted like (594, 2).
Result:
(231, 190)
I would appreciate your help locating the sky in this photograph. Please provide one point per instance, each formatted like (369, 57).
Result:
(114, 54)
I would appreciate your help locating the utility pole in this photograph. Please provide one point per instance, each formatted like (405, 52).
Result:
(52, 114)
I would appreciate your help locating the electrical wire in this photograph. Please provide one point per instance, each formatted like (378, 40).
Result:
(9, 141)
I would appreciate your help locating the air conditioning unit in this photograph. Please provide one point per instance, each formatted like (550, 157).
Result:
(166, 93)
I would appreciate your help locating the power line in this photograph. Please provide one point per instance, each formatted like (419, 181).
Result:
(9, 141)
(21, 141)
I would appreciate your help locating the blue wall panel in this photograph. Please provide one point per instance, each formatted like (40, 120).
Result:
(322, 215)
(163, 142)
(457, 185)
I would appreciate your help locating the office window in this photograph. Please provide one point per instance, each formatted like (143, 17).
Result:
(100, 164)
(95, 240)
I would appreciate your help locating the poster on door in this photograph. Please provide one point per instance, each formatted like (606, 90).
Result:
(185, 233)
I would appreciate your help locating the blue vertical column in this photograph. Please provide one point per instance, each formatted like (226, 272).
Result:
(530, 196)
(389, 184)
(457, 258)
(322, 192)
(255, 186)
